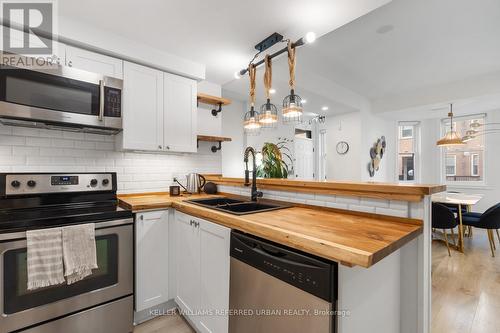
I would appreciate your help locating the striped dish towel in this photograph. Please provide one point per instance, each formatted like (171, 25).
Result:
(45, 265)
(79, 253)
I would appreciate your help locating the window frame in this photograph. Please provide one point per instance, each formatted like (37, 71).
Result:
(401, 129)
(454, 166)
(444, 127)
(472, 173)
(416, 147)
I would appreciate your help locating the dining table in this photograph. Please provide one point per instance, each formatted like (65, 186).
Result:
(459, 200)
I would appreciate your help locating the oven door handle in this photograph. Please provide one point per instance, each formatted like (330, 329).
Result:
(99, 225)
(101, 100)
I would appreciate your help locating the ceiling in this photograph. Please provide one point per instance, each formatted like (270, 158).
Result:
(409, 44)
(218, 33)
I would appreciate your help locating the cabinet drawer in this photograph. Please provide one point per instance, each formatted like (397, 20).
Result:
(146, 216)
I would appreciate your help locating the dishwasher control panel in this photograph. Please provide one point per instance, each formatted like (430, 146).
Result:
(309, 273)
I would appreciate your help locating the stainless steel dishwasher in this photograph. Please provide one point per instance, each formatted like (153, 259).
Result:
(277, 289)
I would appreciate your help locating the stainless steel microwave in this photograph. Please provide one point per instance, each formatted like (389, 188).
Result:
(60, 97)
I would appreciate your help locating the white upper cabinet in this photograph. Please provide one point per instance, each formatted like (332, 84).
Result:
(179, 113)
(142, 108)
(93, 62)
(152, 253)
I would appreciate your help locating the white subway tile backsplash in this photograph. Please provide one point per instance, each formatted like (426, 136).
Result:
(336, 205)
(347, 200)
(10, 140)
(35, 150)
(400, 205)
(38, 142)
(322, 197)
(374, 202)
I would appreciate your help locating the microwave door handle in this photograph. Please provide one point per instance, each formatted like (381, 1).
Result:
(101, 100)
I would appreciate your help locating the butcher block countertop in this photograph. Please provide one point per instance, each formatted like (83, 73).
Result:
(350, 238)
(389, 191)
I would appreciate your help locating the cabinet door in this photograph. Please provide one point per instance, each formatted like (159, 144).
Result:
(179, 114)
(187, 264)
(214, 273)
(151, 269)
(94, 62)
(142, 108)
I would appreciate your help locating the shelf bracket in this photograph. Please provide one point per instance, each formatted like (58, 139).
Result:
(216, 111)
(214, 148)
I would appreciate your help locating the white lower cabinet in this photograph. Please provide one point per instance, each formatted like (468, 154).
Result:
(202, 272)
(151, 267)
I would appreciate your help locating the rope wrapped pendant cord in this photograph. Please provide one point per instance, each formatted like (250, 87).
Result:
(251, 73)
(291, 64)
(268, 76)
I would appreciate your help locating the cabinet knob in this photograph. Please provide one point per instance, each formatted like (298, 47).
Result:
(159, 146)
(168, 147)
(70, 64)
(141, 217)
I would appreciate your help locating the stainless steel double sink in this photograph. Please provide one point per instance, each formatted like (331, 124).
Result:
(235, 206)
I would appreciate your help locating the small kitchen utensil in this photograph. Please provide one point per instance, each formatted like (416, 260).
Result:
(210, 188)
(175, 190)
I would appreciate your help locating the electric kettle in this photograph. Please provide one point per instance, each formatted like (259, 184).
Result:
(194, 183)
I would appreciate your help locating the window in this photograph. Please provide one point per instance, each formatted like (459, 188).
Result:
(474, 164)
(464, 165)
(451, 165)
(408, 150)
(405, 131)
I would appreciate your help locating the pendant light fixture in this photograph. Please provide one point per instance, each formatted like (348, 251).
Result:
(251, 121)
(451, 138)
(268, 111)
(292, 104)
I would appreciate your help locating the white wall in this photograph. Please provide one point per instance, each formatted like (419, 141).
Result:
(33, 150)
(207, 123)
(345, 127)
(232, 127)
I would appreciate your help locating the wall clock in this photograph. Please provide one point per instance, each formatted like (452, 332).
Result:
(342, 148)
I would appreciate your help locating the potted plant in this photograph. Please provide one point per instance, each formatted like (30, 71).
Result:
(273, 164)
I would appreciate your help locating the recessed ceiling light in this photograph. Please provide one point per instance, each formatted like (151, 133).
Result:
(304, 101)
(272, 91)
(324, 108)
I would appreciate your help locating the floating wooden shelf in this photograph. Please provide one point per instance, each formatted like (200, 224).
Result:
(219, 139)
(212, 100)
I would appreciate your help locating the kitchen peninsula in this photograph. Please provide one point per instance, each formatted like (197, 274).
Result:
(379, 233)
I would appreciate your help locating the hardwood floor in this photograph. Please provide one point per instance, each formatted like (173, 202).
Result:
(165, 324)
(466, 287)
(465, 292)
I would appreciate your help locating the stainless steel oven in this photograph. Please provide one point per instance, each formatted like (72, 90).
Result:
(60, 96)
(111, 283)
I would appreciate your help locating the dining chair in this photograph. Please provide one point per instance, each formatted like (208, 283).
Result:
(443, 218)
(489, 220)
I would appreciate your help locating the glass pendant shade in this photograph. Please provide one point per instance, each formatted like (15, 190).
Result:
(292, 108)
(268, 115)
(251, 122)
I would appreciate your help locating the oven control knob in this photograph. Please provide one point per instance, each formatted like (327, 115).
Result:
(31, 183)
(93, 182)
(15, 184)
(105, 182)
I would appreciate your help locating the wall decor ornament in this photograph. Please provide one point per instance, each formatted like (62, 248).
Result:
(376, 155)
